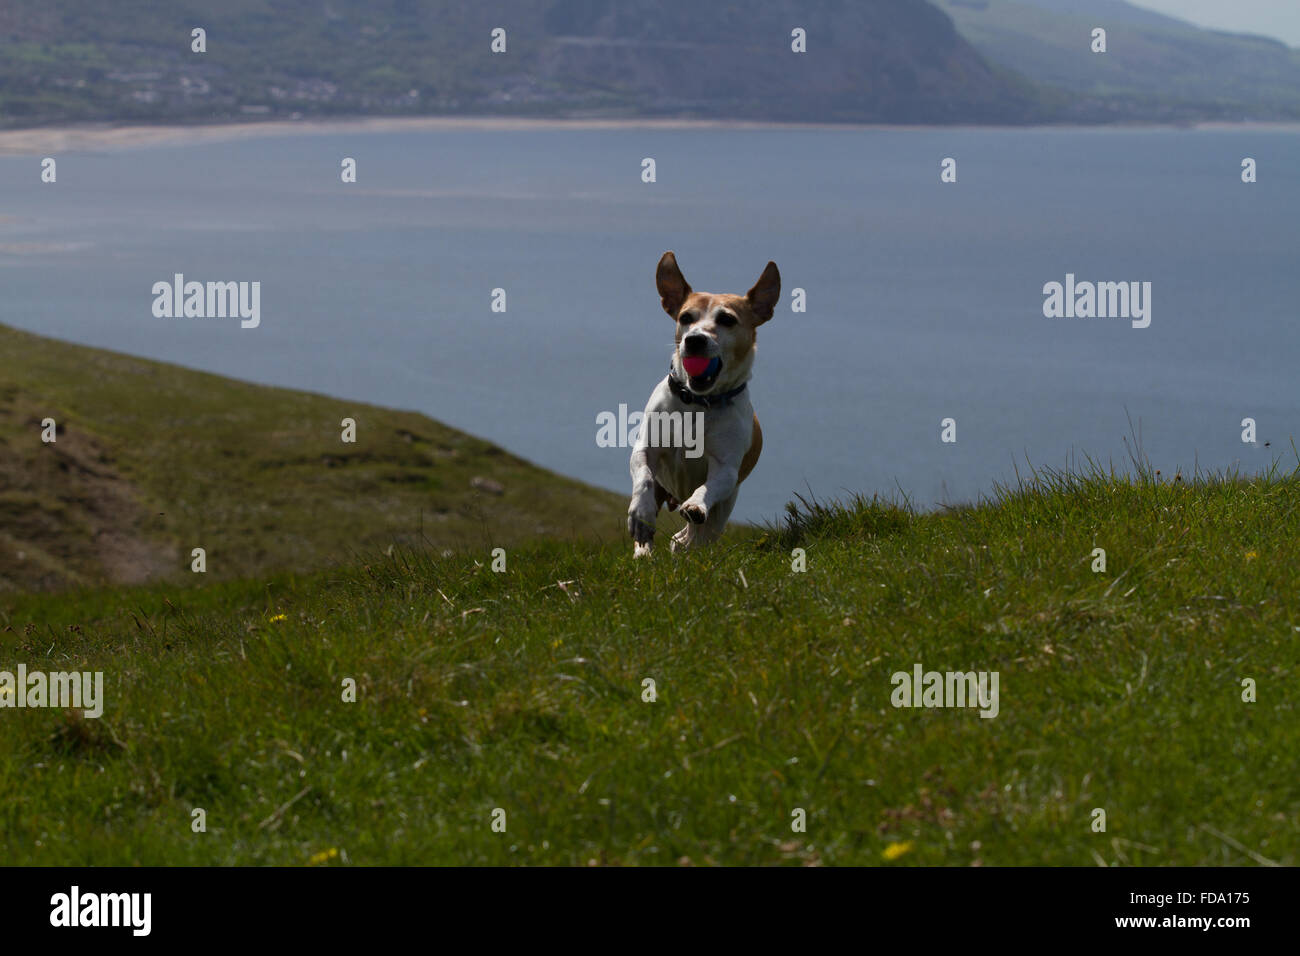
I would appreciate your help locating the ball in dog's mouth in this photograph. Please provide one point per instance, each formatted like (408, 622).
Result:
(702, 370)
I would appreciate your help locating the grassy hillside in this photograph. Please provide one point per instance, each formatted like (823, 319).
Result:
(1153, 64)
(523, 691)
(152, 461)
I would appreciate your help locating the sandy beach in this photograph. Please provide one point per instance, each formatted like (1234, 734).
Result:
(59, 139)
(54, 139)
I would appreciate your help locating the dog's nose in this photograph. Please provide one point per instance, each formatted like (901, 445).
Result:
(695, 344)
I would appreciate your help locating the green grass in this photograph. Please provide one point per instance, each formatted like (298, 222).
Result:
(522, 690)
(153, 460)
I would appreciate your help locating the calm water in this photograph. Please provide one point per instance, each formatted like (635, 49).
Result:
(924, 300)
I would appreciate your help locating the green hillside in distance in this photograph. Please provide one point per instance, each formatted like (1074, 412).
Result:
(152, 460)
(888, 61)
(1153, 63)
(898, 61)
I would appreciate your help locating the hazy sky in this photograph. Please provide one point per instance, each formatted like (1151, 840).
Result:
(1275, 18)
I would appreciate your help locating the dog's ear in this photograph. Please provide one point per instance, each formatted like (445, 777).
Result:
(767, 290)
(673, 287)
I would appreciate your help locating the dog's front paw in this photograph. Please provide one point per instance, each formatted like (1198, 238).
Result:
(694, 512)
(642, 532)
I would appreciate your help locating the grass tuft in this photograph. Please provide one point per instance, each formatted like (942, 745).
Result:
(808, 519)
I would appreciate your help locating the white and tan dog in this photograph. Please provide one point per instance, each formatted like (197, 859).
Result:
(710, 367)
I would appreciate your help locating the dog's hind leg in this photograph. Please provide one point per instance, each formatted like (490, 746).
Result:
(683, 540)
(708, 531)
(712, 528)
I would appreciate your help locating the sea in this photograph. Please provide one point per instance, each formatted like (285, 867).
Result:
(501, 280)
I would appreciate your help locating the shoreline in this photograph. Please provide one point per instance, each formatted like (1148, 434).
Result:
(97, 136)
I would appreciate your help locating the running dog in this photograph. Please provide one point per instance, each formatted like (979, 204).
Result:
(710, 369)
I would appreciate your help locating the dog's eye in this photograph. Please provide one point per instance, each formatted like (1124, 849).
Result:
(686, 318)
(726, 319)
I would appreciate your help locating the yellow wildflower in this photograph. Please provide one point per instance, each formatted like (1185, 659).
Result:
(895, 850)
(323, 857)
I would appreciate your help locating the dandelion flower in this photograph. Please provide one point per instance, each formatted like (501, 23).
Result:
(895, 850)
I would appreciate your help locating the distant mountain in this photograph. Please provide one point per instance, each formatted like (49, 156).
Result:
(887, 61)
(898, 61)
(1154, 65)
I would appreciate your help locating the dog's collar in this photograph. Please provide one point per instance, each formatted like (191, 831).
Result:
(721, 400)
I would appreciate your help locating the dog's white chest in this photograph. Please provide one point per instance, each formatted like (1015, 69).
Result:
(680, 475)
(721, 434)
